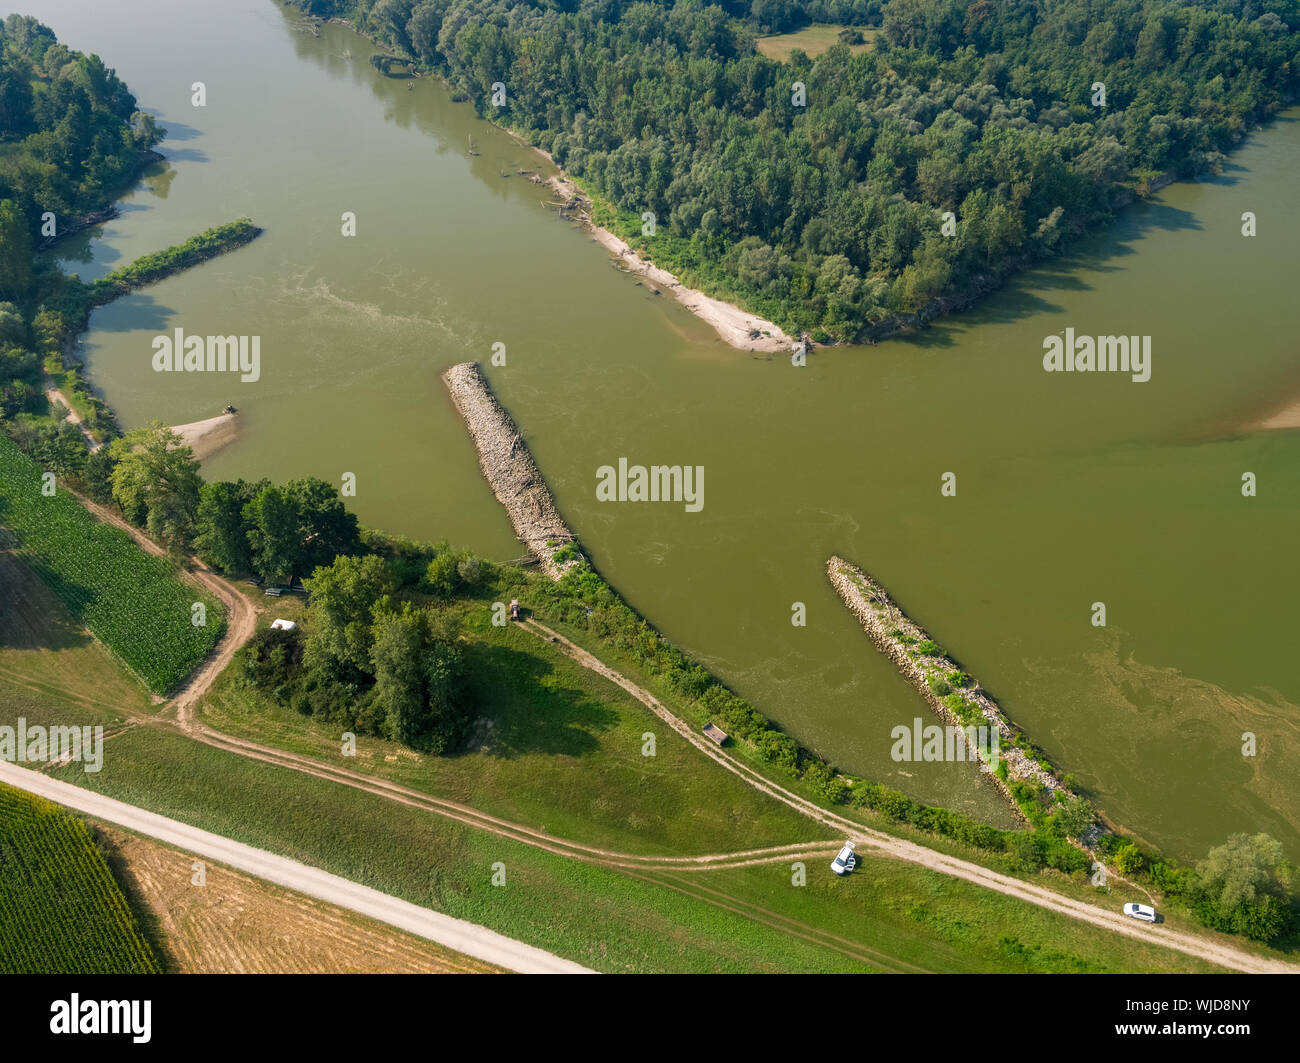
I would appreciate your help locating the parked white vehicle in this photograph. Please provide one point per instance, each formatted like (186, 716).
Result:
(845, 861)
(1141, 911)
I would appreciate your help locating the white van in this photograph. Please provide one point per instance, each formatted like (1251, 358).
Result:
(845, 861)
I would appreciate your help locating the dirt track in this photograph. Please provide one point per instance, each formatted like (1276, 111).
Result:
(887, 845)
(55, 395)
(241, 618)
(242, 622)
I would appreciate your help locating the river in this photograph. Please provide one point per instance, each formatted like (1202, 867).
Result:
(1071, 488)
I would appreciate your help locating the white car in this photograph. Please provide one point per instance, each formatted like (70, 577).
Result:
(844, 861)
(1140, 911)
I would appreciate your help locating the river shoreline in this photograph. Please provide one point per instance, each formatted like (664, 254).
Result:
(208, 436)
(742, 329)
(737, 327)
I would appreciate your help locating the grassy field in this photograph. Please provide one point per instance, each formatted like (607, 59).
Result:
(555, 747)
(61, 911)
(605, 919)
(813, 40)
(569, 760)
(135, 603)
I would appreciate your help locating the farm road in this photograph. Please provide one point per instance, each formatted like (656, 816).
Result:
(457, 934)
(242, 622)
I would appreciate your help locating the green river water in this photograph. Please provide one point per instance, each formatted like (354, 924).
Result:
(1071, 489)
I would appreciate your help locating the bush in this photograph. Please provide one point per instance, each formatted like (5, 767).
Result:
(1129, 859)
(929, 648)
(780, 749)
(470, 569)
(443, 574)
(1025, 851)
(938, 686)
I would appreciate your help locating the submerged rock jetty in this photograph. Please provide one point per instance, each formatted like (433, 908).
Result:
(954, 695)
(510, 470)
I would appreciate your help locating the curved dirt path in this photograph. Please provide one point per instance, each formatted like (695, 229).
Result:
(54, 395)
(504, 828)
(242, 621)
(241, 617)
(887, 845)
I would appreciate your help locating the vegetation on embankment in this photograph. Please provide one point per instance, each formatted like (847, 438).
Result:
(952, 692)
(76, 298)
(548, 742)
(894, 915)
(609, 920)
(1251, 890)
(153, 267)
(72, 138)
(135, 603)
(61, 910)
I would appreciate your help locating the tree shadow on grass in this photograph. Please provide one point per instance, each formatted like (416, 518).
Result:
(28, 619)
(529, 710)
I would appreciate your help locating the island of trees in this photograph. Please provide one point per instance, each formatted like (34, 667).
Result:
(829, 216)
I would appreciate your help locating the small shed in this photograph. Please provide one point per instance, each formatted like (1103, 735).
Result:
(283, 625)
(716, 733)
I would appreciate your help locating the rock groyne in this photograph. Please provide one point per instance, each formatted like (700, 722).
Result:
(926, 667)
(509, 468)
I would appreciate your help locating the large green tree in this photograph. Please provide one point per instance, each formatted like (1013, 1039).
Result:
(15, 252)
(1246, 886)
(222, 539)
(156, 482)
(342, 596)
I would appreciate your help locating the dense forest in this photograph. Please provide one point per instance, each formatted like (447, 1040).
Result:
(829, 216)
(70, 135)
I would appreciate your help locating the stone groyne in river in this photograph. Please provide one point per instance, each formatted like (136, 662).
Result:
(926, 667)
(509, 467)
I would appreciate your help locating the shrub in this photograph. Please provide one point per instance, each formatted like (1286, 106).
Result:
(1129, 859)
(1025, 851)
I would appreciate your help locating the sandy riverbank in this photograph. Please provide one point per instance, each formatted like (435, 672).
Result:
(206, 437)
(742, 330)
(1287, 417)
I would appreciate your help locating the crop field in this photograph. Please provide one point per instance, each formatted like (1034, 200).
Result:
(133, 602)
(61, 912)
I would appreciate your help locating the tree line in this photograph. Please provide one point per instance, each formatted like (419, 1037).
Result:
(70, 135)
(829, 216)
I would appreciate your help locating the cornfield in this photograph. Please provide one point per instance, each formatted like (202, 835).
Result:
(135, 603)
(61, 911)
